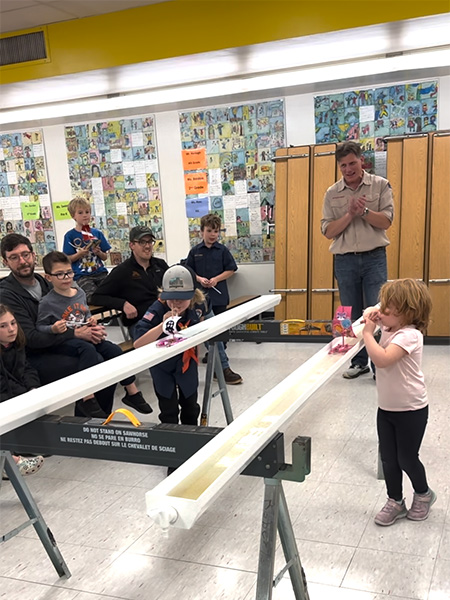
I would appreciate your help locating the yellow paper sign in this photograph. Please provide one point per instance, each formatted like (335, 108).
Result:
(60, 211)
(30, 210)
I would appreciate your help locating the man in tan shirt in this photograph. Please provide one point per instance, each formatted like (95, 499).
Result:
(357, 211)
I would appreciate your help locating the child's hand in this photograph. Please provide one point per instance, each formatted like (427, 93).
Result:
(204, 282)
(96, 249)
(369, 327)
(170, 314)
(98, 333)
(82, 252)
(59, 326)
(372, 314)
(92, 321)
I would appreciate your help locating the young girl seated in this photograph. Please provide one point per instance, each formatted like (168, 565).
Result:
(17, 376)
(176, 379)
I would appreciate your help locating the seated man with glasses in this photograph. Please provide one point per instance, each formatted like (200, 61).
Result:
(65, 307)
(22, 291)
(133, 285)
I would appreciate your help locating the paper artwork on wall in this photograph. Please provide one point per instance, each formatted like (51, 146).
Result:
(370, 115)
(228, 170)
(25, 206)
(114, 164)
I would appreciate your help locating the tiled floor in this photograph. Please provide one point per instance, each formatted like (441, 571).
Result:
(96, 509)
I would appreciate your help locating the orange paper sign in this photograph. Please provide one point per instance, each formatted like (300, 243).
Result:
(194, 160)
(195, 183)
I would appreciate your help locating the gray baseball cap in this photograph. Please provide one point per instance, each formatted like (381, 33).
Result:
(178, 284)
(139, 232)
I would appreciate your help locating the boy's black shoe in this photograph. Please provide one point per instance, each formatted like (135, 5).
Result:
(205, 359)
(137, 402)
(91, 408)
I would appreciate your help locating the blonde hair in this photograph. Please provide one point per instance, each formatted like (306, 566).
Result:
(198, 298)
(76, 203)
(410, 298)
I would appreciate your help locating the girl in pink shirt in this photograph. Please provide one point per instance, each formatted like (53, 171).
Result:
(405, 306)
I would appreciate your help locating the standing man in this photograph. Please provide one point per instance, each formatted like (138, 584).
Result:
(133, 285)
(357, 211)
(21, 291)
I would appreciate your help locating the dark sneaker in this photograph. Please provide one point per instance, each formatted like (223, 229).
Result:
(91, 408)
(231, 378)
(355, 371)
(421, 505)
(137, 402)
(390, 512)
(205, 359)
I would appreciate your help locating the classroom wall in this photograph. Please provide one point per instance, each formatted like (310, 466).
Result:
(299, 110)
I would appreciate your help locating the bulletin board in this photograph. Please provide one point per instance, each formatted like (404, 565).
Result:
(114, 164)
(370, 115)
(24, 194)
(228, 170)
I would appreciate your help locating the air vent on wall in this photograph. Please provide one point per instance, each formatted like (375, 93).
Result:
(22, 48)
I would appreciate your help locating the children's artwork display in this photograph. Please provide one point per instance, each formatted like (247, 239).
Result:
(114, 165)
(228, 170)
(24, 195)
(370, 115)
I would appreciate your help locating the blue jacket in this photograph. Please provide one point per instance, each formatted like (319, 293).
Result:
(170, 372)
(209, 262)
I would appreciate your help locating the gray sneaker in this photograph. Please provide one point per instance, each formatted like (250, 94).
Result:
(421, 505)
(355, 371)
(390, 512)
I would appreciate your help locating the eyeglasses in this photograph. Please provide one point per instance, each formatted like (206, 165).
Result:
(16, 257)
(66, 275)
(145, 242)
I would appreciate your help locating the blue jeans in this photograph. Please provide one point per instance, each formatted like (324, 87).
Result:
(360, 277)
(220, 346)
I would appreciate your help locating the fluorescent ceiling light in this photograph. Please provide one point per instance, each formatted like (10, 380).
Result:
(184, 93)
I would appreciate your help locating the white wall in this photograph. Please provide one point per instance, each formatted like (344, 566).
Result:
(255, 278)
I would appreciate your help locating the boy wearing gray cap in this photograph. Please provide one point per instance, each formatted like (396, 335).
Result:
(176, 379)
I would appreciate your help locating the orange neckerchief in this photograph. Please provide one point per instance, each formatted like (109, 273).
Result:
(188, 354)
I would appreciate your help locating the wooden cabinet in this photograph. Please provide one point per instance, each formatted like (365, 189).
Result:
(439, 235)
(292, 226)
(321, 275)
(418, 169)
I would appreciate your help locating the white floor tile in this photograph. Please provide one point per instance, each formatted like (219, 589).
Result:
(96, 509)
(390, 573)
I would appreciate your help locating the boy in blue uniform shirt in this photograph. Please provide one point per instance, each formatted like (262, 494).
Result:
(86, 248)
(176, 379)
(213, 264)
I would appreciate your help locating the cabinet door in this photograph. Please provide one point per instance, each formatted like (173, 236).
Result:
(321, 260)
(291, 232)
(297, 232)
(281, 198)
(413, 208)
(439, 249)
(394, 175)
